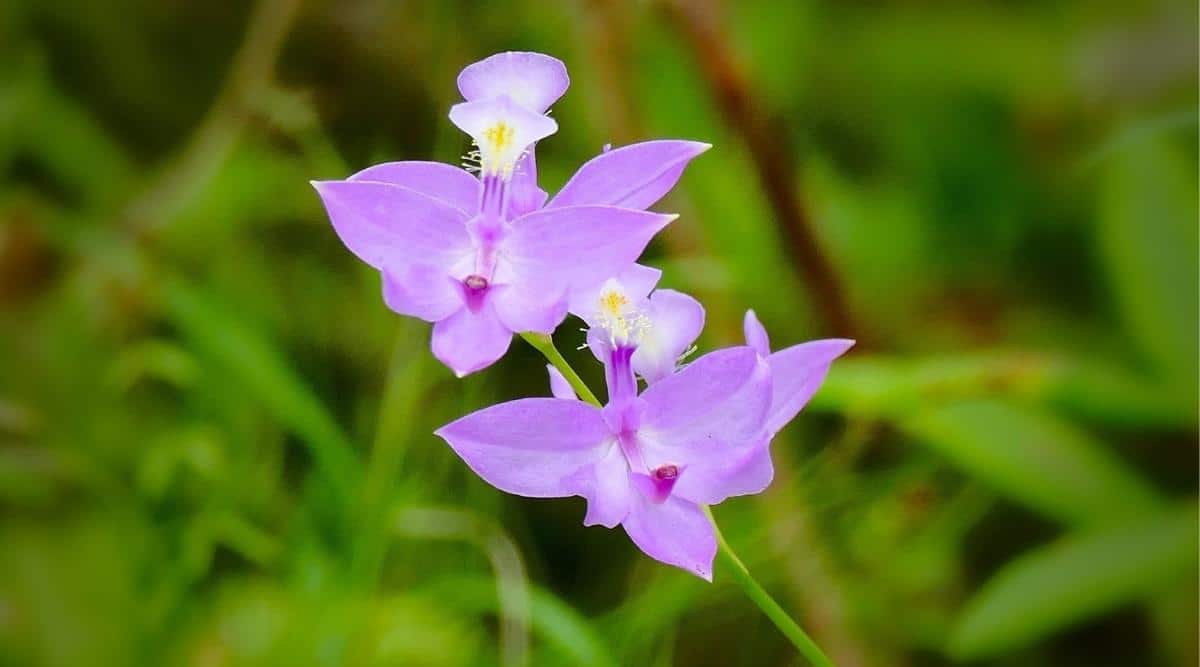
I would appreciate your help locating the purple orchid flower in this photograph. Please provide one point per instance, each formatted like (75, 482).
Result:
(647, 462)
(797, 372)
(483, 258)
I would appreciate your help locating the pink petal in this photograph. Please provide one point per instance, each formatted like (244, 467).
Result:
(724, 471)
(675, 532)
(387, 224)
(444, 182)
(676, 321)
(469, 341)
(633, 176)
(524, 195)
(579, 246)
(709, 417)
(559, 387)
(723, 395)
(756, 334)
(797, 373)
(533, 447)
(533, 80)
(529, 307)
(422, 291)
(606, 486)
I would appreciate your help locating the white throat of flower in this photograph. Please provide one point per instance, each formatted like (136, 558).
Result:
(496, 152)
(619, 317)
(502, 132)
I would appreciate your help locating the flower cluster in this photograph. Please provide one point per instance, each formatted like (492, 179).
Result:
(484, 253)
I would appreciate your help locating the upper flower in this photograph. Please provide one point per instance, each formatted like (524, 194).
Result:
(481, 280)
(485, 257)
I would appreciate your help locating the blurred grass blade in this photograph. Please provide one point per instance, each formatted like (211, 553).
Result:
(550, 618)
(254, 366)
(1095, 390)
(1148, 236)
(1077, 578)
(511, 584)
(1035, 459)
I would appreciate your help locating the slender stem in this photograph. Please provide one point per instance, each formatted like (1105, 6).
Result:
(759, 596)
(753, 590)
(545, 344)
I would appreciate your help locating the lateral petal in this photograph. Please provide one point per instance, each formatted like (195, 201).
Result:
(723, 395)
(533, 447)
(796, 374)
(530, 306)
(633, 176)
(444, 182)
(386, 224)
(421, 291)
(579, 246)
(724, 470)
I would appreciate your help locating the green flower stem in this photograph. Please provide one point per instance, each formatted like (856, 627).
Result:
(759, 596)
(545, 344)
(753, 590)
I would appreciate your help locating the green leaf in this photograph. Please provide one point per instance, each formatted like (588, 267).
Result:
(1148, 237)
(255, 367)
(1035, 459)
(1076, 578)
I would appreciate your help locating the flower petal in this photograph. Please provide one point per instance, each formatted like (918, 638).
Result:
(444, 182)
(633, 176)
(675, 322)
(469, 341)
(756, 334)
(533, 447)
(524, 195)
(709, 418)
(579, 246)
(723, 471)
(502, 130)
(797, 372)
(530, 307)
(675, 532)
(723, 395)
(421, 291)
(533, 80)
(387, 224)
(559, 386)
(638, 281)
(606, 486)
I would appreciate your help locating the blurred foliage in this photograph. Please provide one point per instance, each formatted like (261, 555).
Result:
(215, 441)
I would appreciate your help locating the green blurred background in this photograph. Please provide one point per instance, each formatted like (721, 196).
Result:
(215, 440)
